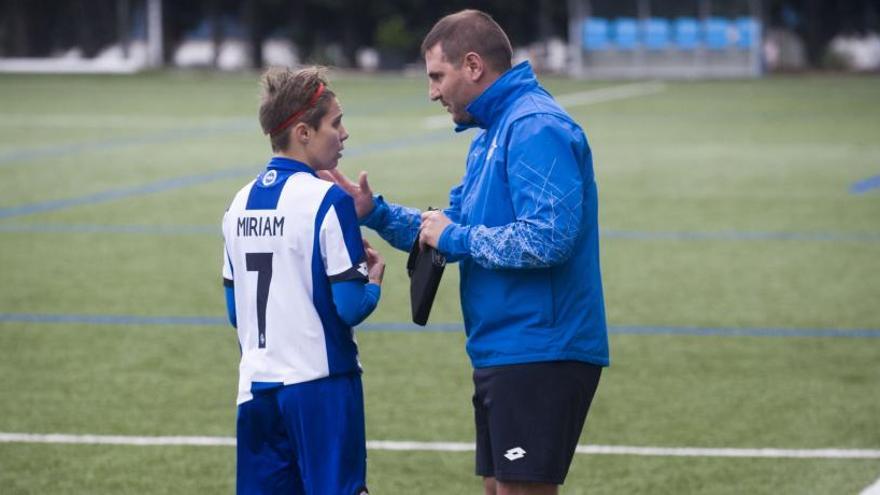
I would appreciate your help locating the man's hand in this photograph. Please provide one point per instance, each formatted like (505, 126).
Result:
(433, 224)
(360, 192)
(375, 264)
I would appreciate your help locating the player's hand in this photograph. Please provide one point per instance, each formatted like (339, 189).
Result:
(375, 264)
(360, 192)
(434, 222)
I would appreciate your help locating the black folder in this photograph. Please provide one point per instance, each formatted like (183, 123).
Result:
(425, 268)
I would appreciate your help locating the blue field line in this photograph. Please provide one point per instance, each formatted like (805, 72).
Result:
(432, 137)
(112, 319)
(607, 234)
(194, 180)
(738, 235)
(125, 192)
(182, 134)
(112, 229)
(445, 327)
(745, 332)
(863, 186)
(160, 137)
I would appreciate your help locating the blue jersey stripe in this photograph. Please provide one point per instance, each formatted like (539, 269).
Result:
(341, 350)
(267, 189)
(351, 233)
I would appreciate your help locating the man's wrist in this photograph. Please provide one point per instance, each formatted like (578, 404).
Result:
(455, 240)
(376, 218)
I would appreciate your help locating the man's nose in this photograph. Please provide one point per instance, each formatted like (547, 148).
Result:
(433, 93)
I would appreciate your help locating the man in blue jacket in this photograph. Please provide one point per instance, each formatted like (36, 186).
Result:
(523, 226)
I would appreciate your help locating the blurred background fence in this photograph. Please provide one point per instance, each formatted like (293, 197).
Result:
(583, 38)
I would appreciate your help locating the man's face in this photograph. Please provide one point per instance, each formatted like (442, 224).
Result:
(324, 148)
(449, 84)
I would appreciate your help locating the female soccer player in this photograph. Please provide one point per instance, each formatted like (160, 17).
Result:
(298, 277)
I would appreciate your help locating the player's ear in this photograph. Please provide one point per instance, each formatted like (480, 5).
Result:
(302, 133)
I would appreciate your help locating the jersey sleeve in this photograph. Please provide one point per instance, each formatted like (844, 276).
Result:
(227, 261)
(228, 281)
(342, 247)
(227, 269)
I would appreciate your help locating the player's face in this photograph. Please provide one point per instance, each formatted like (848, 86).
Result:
(324, 149)
(449, 85)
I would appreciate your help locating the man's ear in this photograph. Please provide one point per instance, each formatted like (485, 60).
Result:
(474, 66)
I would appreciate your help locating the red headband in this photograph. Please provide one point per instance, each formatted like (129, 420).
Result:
(298, 113)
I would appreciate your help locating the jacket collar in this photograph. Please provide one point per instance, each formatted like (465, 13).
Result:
(289, 164)
(487, 108)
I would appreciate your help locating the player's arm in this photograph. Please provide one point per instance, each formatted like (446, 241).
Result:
(355, 300)
(229, 288)
(547, 189)
(354, 269)
(230, 301)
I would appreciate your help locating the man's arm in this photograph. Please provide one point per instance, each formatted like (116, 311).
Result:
(547, 188)
(398, 225)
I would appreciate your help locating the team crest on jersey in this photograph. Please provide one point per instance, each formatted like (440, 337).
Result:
(269, 178)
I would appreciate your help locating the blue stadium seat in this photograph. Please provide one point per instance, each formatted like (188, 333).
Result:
(715, 33)
(749, 32)
(625, 33)
(686, 33)
(655, 33)
(595, 34)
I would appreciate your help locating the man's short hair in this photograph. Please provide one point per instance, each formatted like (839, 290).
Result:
(286, 91)
(471, 31)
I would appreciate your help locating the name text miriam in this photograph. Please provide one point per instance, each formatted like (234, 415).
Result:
(260, 226)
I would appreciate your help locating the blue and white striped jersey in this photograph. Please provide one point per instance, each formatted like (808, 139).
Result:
(288, 235)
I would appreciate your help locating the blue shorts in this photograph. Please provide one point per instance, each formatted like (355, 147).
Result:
(306, 439)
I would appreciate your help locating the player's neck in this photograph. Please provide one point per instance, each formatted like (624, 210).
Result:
(294, 155)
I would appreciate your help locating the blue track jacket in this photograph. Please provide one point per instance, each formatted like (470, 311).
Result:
(525, 231)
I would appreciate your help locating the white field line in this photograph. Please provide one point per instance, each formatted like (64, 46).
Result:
(611, 93)
(874, 489)
(581, 98)
(456, 446)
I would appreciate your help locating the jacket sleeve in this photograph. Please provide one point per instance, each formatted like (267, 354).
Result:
(398, 225)
(546, 181)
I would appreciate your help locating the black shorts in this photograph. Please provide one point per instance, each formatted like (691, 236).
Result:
(529, 418)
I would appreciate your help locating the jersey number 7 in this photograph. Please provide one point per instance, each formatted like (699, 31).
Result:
(262, 264)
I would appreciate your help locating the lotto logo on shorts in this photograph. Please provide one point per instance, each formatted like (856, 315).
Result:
(515, 453)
